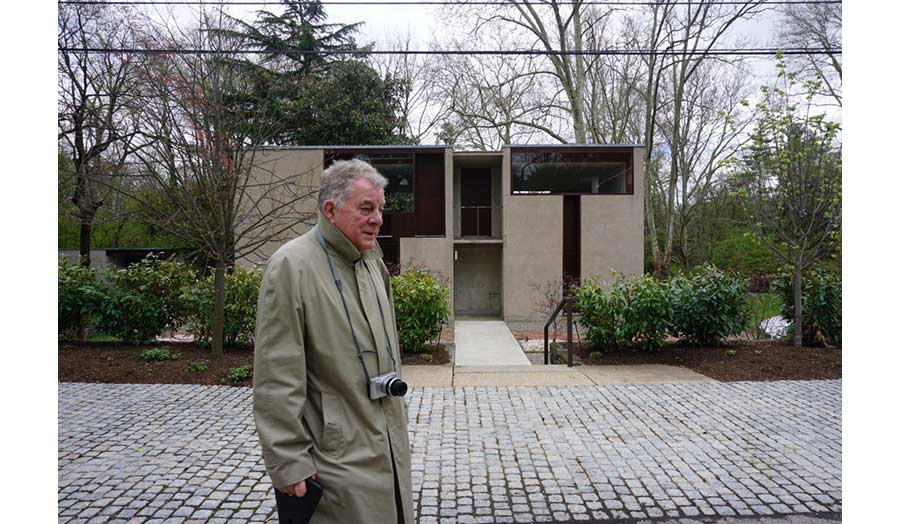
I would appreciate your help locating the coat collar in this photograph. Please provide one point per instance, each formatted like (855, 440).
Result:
(340, 244)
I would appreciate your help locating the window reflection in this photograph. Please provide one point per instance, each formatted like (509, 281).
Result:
(560, 172)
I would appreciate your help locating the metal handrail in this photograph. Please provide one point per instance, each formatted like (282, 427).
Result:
(567, 302)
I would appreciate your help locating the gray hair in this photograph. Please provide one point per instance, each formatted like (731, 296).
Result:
(338, 179)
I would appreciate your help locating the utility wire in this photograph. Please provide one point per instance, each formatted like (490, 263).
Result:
(456, 2)
(481, 52)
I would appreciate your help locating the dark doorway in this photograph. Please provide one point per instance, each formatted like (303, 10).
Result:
(571, 241)
(475, 202)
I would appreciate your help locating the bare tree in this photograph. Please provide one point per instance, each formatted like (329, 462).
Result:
(816, 26)
(209, 183)
(614, 103)
(694, 31)
(422, 104)
(496, 101)
(92, 89)
(549, 25)
(713, 129)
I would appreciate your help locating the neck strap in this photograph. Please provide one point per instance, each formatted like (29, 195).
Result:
(339, 284)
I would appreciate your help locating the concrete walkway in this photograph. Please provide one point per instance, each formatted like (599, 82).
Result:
(769, 452)
(486, 343)
(555, 375)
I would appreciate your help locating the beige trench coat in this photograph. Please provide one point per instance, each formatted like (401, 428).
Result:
(310, 397)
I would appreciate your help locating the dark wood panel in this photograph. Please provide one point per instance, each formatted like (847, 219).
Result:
(571, 239)
(429, 194)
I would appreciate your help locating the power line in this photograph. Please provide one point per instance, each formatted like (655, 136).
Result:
(453, 2)
(482, 52)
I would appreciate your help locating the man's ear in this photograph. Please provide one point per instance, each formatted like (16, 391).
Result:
(328, 210)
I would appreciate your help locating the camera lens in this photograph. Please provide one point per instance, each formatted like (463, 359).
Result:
(397, 388)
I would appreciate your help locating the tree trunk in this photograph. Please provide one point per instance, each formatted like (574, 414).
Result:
(84, 243)
(798, 307)
(218, 334)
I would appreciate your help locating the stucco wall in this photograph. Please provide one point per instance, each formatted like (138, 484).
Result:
(532, 250)
(432, 253)
(612, 229)
(281, 176)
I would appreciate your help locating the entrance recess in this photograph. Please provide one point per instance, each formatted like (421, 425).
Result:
(476, 282)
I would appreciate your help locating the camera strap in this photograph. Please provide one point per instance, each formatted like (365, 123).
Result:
(339, 284)
(387, 337)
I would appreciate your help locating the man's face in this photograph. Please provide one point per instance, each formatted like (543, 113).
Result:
(359, 219)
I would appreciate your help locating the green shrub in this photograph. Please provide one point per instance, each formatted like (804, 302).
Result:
(143, 299)
(159, 354)
(742, 250)
(707, 306)
(633, 312)
(821, 299)
(199, 367)
(239, 373)
(241, 295)
(79, 295)
(422, 306)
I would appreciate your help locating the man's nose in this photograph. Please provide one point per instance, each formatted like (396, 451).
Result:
(376, 219)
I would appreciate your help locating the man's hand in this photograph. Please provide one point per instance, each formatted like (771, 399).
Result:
(298, 489)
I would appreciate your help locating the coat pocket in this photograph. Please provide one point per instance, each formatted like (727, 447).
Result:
(333, 424)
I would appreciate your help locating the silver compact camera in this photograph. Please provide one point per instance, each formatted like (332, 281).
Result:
(387, 385)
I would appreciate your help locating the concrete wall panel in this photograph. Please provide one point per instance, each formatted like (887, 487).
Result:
(434, 254)
(281, 176)
(532, 250)
(612, 230)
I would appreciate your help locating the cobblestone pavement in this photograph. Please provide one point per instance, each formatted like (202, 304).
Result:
(182, 453)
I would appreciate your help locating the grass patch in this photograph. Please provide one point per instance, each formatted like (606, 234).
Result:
(761, 306)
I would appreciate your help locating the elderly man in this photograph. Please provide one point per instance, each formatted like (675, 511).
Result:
(324, 400)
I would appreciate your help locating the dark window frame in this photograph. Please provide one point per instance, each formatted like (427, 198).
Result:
(616, 155)
(401, 224)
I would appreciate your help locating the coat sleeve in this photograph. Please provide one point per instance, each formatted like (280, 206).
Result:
(279, 376)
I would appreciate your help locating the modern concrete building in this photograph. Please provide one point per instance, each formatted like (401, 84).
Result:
(499, 225)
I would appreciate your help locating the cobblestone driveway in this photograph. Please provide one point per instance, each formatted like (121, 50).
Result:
(180, 453)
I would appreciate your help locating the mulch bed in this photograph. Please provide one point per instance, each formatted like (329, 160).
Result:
(111, 362)
(434, 355)
(762, 360)
(735, 361)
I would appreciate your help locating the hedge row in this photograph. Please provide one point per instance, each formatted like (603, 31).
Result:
(137, 303)
(701, 308)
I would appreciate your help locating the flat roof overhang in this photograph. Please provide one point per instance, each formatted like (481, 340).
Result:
(437, 147)
(399, 147)
(572, 146)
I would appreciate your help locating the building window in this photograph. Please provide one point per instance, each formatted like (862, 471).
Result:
(398, 168)
(399, 196)
(575, 172)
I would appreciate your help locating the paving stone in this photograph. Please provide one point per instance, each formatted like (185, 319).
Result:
(180, 454)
